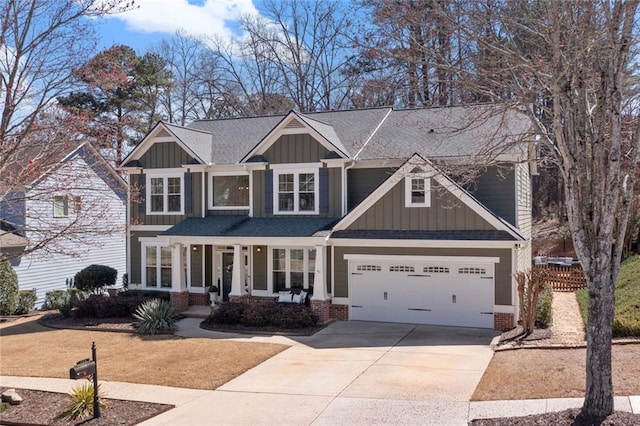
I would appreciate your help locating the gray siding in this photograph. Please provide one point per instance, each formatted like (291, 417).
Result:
(164, 155)
(197, 278)
(300, 148)
(362, 182)
(135, 254)
(335, 192)
(258, 193)
(208, 265)
(446, 213)
(260, 268)
(503, 272)
(496, 189)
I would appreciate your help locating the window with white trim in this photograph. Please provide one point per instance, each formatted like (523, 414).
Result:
(295, 191)
(165, 194)
(60, 206)
(229, 191)
(293, 267)
(157, 266)
(417, 190)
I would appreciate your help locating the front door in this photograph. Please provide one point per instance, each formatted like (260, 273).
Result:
(227, 273)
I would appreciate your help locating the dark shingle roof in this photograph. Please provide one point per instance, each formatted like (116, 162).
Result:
(479, 235)
(244, 226)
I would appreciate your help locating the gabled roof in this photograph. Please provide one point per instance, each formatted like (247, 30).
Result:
(417, 161)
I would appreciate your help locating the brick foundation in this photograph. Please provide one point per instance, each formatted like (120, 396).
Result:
(339, 312)
(180, 301)
(199, 299)
(322, 309)
(503, 321)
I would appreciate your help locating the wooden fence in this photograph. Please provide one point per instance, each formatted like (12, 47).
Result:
(564, 278)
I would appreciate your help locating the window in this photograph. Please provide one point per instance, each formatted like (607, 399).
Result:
(436, 269)
(293, 267)
(401, 268)
(230, 191)
(164, 194)
(417, 190)
(296, 192)
(60, 206)
(157, 266)
(369, 268)
(470, 270)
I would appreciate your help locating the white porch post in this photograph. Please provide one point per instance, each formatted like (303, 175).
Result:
(320, 278)
(178, 281)
(237, 276)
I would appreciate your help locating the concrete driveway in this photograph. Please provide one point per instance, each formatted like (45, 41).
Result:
(355, 373)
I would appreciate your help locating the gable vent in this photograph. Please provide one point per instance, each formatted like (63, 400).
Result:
(163, 133)
(294, 124)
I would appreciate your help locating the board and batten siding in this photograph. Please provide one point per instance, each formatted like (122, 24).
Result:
(446, 213)
(503, 269)
(362, 182)
(298, 148)
(135, 254)
(495, 188)
(104, 245)
(165, 155)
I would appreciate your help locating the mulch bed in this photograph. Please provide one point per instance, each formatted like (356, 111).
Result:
(118, 325)
(44, 408)
(571, 417)
(515, 335)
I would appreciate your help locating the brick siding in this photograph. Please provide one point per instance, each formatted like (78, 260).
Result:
(503, 321)
(180, 301)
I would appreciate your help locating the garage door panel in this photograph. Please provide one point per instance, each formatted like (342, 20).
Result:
(443, 293)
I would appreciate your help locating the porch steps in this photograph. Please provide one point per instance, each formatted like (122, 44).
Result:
(197, 311)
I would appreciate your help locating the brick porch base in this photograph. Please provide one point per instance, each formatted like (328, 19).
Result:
(503, 321)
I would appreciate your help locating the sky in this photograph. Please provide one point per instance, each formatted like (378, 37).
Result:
(152, 20)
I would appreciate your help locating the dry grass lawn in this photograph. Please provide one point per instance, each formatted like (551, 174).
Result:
(30, 349)
(553, 373)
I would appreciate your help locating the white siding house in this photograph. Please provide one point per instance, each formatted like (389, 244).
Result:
(77, 211)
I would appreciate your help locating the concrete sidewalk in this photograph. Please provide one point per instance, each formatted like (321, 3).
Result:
(202, 407)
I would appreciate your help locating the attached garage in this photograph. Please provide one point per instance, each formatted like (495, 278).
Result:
(439, 290)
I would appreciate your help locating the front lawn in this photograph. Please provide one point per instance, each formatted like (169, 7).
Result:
(627, 312)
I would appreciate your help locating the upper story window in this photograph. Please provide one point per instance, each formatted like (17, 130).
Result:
(60, 206)
(295, 191)
(417, 190)
(229, 191)
(165, 194)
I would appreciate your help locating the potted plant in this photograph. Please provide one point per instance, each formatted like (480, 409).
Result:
(213, 294)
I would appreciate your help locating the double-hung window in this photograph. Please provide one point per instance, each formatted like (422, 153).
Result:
(296, 191)
(165, 194)
(417, 190)
(293, 267)
(60, 206)
(157, 266)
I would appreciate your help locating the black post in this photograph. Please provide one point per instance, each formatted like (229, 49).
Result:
(96, 401)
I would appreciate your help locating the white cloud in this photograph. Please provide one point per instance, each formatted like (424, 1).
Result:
(210, 17)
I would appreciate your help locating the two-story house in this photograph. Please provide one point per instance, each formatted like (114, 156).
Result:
(349, 205)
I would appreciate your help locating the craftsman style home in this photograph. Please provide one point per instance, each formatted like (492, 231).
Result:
(353, 207)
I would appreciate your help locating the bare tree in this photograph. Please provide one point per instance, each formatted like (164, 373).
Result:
(568, 64)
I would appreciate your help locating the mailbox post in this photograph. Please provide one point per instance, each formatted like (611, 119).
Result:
(87, 369)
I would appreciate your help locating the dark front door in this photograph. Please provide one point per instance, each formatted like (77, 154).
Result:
(227, 273)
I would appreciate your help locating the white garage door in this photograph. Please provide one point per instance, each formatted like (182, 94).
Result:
(447, 291)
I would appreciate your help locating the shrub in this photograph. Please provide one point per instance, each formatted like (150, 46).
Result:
(63, 300)
(94, 277)
(294, 316)
(99, 306)
(258, 315)
(26, 301)
(82, 402)
(156, 316)
(544, 311)
(8, 288)
(228, 313)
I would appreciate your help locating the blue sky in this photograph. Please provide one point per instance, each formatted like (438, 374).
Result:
(152, 20)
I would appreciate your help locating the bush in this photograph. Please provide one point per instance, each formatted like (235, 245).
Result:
(280, 315)
(544, 311)
(26, 301)
(63, 300)
(99, 306)
(8, 288)
(94, 278)
(82, 402)
(156, 316)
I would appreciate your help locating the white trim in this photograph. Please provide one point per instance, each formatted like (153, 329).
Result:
(280, 130)
(212, 175)
(150, 139)
(340, 301)
(504, 309)
(154, 240)
(408, 189)
(229, 168)
(150, 228)
(296, 171)
(400, 258)
(296, 166)
(356, 242)
(247, 241)
(164, 174)
(287, 269)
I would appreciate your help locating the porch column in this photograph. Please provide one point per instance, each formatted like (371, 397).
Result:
(178, 281)
(179, 294)
(237, 276)
(320, 278)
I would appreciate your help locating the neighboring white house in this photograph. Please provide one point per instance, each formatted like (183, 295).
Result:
(76, 210)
